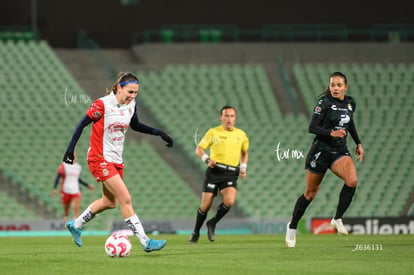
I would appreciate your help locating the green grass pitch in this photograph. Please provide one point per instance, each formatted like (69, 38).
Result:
(229, 254)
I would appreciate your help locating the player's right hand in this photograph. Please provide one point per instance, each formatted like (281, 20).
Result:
(68, 157)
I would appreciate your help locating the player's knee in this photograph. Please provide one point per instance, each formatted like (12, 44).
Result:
(352, 183)
(205, 208)
(126, 201)
(229, 203)
(310, 195)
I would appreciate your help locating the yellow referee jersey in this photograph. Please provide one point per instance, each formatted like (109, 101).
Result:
(225, 146)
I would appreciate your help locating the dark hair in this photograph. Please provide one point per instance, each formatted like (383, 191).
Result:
(122, 77)
(328, 92)
(227, 107)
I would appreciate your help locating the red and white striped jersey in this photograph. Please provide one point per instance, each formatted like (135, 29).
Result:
(70, 174)
(111, 122)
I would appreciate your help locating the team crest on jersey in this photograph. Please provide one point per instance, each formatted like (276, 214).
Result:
(96, 115)
(350, 107)
(318, 110)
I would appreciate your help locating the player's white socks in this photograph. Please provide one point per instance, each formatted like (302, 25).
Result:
(136, 226)
(85, 217)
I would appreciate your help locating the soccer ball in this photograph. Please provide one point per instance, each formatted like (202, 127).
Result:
(118, 245)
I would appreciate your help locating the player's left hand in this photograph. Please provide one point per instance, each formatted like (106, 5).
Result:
(359, 152)
(166, 138)
(243, 174)
(68, 157)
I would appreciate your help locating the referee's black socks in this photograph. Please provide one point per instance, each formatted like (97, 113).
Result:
(200, 218)
(221, 211)
(345, 199)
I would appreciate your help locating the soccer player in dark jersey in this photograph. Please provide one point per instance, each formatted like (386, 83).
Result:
(331, 122)
(228, 158)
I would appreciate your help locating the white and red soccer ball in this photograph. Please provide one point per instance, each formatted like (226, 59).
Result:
(118, 245)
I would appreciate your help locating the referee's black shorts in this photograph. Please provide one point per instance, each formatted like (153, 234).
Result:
(218, 178)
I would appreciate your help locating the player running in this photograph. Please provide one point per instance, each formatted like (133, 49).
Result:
(228, 150)
(111, 116)
(331, 122)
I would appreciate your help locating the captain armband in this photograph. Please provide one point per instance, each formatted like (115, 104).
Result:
(205, 158)
(243, 167)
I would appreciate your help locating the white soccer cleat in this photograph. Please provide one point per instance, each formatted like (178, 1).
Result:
(290, 236)
(339, 226)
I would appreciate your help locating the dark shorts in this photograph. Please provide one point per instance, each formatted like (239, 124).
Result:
(218, 179)
(319, 159)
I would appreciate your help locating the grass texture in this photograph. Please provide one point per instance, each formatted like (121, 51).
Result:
(229, 254)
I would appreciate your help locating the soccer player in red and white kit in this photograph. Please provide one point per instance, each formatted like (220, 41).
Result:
(111, 116)
(70, 193)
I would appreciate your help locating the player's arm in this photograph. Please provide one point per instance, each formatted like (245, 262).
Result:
(55, 184)
(317, 117)
(201, 153)
(138, 126)
(244, 158)
(359, 151)
(69, 156)
(315, 128)
(84, 183)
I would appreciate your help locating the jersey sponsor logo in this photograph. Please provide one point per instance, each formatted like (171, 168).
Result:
(117, 127)
(344, 119)
(317, 155)
(333, 107)
(350, 107)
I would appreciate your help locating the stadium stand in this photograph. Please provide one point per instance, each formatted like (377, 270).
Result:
(46, 103)
(197, 92)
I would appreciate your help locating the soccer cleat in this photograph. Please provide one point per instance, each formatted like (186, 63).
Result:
(194, 238)
(339, 226)
(290, 236)
(76, 232)
(211, 228)
(153, 245)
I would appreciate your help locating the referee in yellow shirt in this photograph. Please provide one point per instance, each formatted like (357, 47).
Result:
(228, 158)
